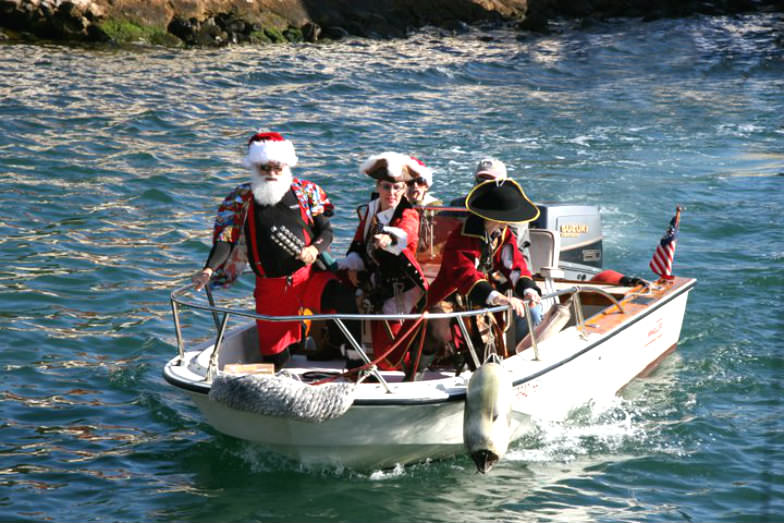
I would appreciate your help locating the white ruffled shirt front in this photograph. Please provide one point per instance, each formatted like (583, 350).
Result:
(353, 261)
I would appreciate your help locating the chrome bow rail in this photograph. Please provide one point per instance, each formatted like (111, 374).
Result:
(221, 316)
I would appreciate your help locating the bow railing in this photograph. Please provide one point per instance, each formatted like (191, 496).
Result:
(181, 298)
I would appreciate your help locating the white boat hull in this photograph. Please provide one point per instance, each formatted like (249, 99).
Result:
(365, 437)
(600, 367)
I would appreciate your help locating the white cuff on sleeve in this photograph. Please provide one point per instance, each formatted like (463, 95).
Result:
(401, 239)
(492, 297)
(531, 292)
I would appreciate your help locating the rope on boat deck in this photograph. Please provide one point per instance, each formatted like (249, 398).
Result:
(368, 366)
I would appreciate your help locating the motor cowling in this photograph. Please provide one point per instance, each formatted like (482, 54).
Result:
(580, 231)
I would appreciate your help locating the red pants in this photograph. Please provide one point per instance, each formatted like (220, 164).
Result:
(286, 297)
(382, 341)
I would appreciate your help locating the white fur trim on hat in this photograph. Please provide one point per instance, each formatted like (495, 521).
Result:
(397, 165)
(275, 149)
(421, 170)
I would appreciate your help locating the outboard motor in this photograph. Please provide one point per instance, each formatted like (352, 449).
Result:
(580, 229)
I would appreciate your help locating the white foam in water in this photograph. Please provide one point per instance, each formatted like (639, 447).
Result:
(598, 429)
(621, 426)
(260, 459)
(380, 475)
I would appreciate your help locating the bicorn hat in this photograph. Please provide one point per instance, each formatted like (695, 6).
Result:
(501, 201)
(390, 167)
(269, 147)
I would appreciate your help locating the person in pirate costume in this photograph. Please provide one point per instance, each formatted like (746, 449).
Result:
(482, 256)
(280, 225)
(381, 260)
(493, 169)
(418, 191)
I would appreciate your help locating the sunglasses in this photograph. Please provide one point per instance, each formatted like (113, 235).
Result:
(485, 176)
(391, 187)
(269, 168)
(419, 181)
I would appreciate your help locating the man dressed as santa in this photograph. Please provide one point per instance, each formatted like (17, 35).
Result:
(280, 225)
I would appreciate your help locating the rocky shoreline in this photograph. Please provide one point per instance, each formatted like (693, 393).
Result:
(215, 23)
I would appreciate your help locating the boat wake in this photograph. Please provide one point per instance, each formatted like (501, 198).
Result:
(633, 423)
(582, 434)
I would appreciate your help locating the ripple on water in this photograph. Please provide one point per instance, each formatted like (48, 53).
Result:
(112, 163)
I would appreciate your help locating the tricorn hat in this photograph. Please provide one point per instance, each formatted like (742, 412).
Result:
(501, 201)
(390, 167)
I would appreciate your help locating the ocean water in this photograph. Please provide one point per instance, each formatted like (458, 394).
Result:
(112, 162)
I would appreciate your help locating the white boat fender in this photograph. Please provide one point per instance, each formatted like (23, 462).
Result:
(283, 396)
(487, 417)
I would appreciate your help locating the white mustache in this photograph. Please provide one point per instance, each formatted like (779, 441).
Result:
(270, 191)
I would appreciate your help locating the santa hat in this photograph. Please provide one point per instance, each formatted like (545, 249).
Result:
(265, 147)
(389, 166)
(421, 170)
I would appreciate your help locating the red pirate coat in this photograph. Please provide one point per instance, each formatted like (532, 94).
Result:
(394, 274)
(398, 264)
(465, 268)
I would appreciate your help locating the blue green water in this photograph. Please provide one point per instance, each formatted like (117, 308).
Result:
(112, 163)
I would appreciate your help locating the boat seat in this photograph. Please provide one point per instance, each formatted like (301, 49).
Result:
(544, 249)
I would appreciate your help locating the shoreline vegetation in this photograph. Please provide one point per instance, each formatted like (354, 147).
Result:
(217, 23)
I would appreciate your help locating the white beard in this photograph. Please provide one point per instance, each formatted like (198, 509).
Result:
(268, 192)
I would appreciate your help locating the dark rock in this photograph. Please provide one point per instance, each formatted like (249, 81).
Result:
(230, 23)
(96, 34)
(185, 30)
(457, 27)
(205, 34)
(218, 22)
(237, 30)
(69, 22)
(356, 29)
(334, 32)
(536, 20)
(311, 32)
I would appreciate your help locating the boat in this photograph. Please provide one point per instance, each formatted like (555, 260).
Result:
(596, 338)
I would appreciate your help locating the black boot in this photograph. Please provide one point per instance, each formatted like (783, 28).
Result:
(280, 359)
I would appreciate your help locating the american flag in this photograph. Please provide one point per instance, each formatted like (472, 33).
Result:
(661, 263)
